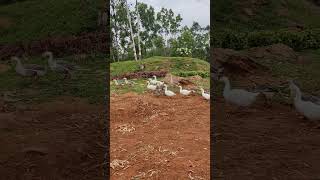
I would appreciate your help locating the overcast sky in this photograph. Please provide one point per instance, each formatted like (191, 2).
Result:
(190, 10)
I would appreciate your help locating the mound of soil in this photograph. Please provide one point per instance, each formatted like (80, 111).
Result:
(278, 52)
(235, 62)
(60, 46)
(56, 140)
(155, 136)
(264, 143)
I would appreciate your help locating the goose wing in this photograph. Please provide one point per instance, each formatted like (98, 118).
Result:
(34, 67)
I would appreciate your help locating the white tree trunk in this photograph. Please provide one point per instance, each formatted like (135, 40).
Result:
(139, 39)
(117, 45)
(131, 31)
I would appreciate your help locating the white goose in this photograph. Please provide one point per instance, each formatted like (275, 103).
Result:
(152, 81)
(205, 95)
(116, 82)
(308, 109)
(168, 92)
(128, 82)
(151, 86)
(28, 69)
(238, 97)
(58, 66)
(184, 91)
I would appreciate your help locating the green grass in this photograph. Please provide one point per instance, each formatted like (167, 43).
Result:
(87, 83)
(174, 65)
(36, 19)
(157, 63)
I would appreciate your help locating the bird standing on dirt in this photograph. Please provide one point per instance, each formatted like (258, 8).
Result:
(308, 109)
(184, 91)
(168, 92)
(237, 97)
(205, 95)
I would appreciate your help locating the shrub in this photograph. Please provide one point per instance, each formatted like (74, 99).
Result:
(298, 40)
(203, 74)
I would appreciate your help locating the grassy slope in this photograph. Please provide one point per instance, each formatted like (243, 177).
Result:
(229, 14)
(173, 65)
(88, 83)
(36, 19)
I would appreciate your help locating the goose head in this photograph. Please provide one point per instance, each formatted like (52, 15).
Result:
(15, 58)
(224, 79)
(47, 54)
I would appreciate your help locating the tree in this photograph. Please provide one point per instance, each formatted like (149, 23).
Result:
(131, 31)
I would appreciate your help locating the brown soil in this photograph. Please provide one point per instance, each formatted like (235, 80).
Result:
(5, 22)
(159, 137)
(60, 45)
(265, 143)
(57, 140)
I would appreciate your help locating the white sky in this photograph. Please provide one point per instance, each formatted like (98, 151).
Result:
(190, 10)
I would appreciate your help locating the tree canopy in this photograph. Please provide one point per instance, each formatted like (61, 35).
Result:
(158, 33)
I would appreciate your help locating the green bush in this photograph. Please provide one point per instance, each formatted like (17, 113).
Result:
(203, 74)
(298, 40)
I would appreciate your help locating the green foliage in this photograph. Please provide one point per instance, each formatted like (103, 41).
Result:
(36, 19)
(170, 64)
(161, 33)
(203, 74)
(298, 40)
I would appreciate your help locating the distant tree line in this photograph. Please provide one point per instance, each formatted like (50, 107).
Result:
(138, 31)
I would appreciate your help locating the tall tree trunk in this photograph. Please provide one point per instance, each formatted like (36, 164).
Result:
(139, 39)
(117, 46)
(131, 31)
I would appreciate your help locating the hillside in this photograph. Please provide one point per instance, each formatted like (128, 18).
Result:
(188, 68)
(174, 65)
(264, 14)
(36, 19)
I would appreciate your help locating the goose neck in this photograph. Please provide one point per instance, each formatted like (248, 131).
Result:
(227, 86)
(297, 98)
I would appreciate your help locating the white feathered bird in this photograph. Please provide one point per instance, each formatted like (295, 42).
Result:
(205, 95)
(184, 91)
(168, 92)
(308, 109)
(238, 97)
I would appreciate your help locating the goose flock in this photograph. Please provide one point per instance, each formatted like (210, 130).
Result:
(154, 85)
(38, 70)
(243, 98)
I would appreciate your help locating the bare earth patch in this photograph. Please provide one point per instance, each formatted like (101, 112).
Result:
(54, 140)
(170, 140)
(267, 143)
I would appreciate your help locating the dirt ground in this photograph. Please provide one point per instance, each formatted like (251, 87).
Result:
(266, 143)
(56, 140)
(158, 137)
